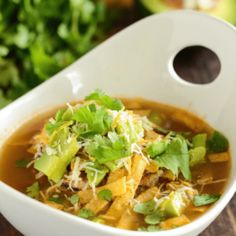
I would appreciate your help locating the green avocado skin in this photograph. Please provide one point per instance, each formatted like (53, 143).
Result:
(225, 9)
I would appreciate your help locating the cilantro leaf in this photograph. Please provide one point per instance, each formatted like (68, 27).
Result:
(155, 218)
(145, 208)
(106, 149)
(217, 142)
(205, 199)
(59, 114)
(102, 99)
(58, 121)
(156, 148)
(74, 199)
(98, 121)
(33, 190)
(22, 163)
(86, 213)
(105, 194)
(176, 157)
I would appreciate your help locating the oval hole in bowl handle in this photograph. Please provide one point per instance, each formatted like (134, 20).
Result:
(197, 64)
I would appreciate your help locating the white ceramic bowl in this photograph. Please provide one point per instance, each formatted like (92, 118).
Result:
(135, 62)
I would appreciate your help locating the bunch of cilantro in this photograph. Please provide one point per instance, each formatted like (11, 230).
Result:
(40, 37)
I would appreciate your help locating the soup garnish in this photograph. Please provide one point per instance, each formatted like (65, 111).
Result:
(144, 166)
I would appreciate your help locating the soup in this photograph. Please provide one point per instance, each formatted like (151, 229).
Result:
(129, 163)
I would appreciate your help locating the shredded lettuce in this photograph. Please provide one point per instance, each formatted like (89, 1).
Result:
(130, 127)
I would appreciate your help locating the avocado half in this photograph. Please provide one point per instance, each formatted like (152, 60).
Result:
(224, 9)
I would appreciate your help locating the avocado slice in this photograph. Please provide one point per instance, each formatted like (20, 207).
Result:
(197, 156)
(199, 140)
(198, 152)
(96, 174)
(54, 165)
(224, 9)
(173, 205)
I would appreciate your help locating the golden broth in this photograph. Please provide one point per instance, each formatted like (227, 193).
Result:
(176, 119)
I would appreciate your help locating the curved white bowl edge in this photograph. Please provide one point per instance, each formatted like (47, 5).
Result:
(9, 197)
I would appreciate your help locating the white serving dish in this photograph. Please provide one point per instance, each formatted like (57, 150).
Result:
(135, 62)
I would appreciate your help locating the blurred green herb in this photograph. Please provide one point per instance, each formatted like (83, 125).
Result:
(40, 37)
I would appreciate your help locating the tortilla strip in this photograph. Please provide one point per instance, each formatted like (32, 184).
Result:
(191, 122)
(117, 174)
(130, 219)
(122, 202)
(200, 209)
(175, 222)
(117, 188)
(54, 205)
(148, 195)
(152, 167)
(218, 157)
(96, 205)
